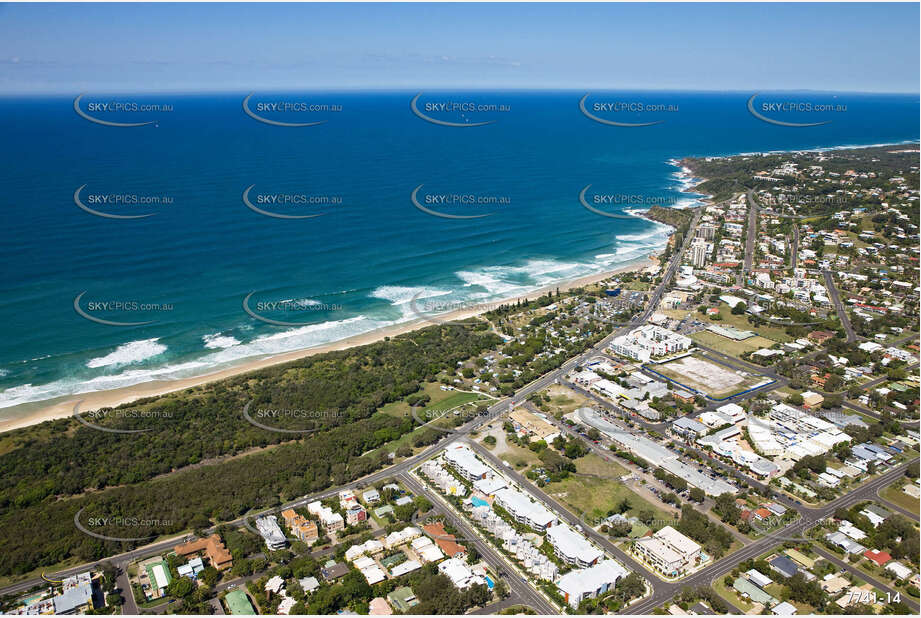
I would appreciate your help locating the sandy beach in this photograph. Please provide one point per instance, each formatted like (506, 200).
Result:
(31, 414)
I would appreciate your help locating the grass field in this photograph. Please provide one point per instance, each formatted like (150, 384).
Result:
(894, 494)
(441, 400)
(729, 346)
(562, 401)
(730, 595)
(594, 497)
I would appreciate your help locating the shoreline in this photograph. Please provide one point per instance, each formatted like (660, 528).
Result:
(62, 407)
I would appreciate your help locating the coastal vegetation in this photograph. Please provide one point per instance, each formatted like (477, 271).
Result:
(199, 461)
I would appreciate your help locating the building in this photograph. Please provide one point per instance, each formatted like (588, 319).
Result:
(647, 341)
(668, 551)
(532, 425)
(524, 510)
(379, 607)
(301, 527)
(581, 584)
(880, 558)
(699, 254)
(77, 595)
(159, 576)
(371, 496)
(572, 547)
(688, 427)
(238, 603)
(462, 459)
(748, 589)
(355, 514)
(271, 532)
(812, 400)
(402, 599)
(459, 574)
(213, 549)
(445, 541)
(784, 566)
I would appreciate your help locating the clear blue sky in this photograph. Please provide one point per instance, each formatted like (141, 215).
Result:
(69, 48)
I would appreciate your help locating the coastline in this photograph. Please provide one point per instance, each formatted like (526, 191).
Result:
(62, 407)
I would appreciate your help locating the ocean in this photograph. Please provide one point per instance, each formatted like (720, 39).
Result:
(380, 177)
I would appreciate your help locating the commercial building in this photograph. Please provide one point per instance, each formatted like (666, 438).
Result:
(532, 425)
(669, 551)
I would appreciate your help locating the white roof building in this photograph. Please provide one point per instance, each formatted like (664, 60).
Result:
(581, 584)
(465, 462)
(524, 510)
(572, 547)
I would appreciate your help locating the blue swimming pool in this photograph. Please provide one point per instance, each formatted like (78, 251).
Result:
(490, 583)
(478, 501)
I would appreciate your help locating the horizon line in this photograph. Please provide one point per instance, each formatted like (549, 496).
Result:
(417, 89)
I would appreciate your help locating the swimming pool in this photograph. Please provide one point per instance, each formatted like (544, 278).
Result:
(478, 501)
(489, 582)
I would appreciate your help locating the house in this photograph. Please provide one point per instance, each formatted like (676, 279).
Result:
(758, 578)
(402, 599)
(784, 609)
(800, 558)
(333, 570)
(77, 595)
(879, 557)
(271, 533)
(749, 590)
(309, 584)
(238, 603)
(459, 574)
(784, 566)
(379, 607)
(876, 514)
(849, 546)
(812, 400)
(372, 496)
(899, 570)
(446, 542)
(355, 514)
(820, 336)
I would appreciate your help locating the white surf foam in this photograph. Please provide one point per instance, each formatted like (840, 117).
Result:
(129, 353)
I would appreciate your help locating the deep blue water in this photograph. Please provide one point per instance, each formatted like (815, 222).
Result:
(367, 256)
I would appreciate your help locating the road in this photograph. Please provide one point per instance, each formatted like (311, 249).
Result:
(794, 246)
(839, 306)
(750, 237)
(520, 587)
(867, 578)
(666, 591)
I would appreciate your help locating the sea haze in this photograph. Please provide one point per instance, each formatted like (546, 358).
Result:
(357, 267)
